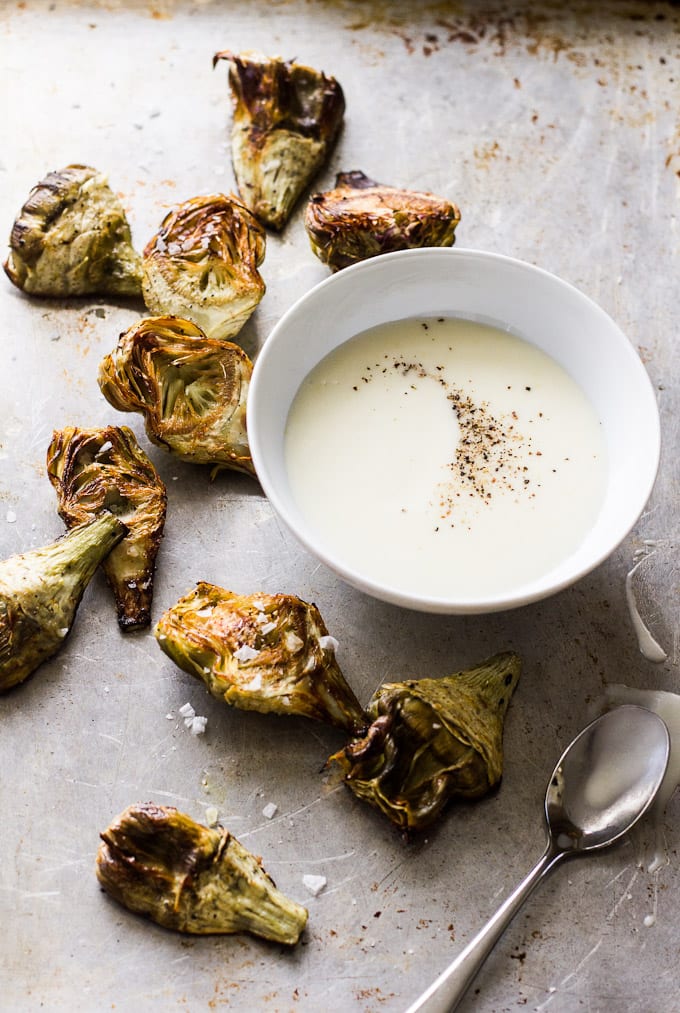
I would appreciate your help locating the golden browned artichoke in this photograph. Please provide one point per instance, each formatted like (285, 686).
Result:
(286, 120)
(158, 862)
(72, 238)
(431, 740)
(361, 219)
(192, 390)
(40, 592)
(263, 652)
(202, 264)
(96, 470)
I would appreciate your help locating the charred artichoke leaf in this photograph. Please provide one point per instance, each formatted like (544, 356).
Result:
(431, 740)
(361, 218)
(98, 470)
(72, 238)
(263, 652)
(286, 120)
(40, 592)
(158, 862)
(191, 390)
(203, 264)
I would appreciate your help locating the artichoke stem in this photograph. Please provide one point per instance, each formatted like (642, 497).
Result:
(40, 592)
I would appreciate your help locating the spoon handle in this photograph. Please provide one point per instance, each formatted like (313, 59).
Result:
(448, 989)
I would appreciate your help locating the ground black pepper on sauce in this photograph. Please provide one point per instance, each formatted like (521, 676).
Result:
(486, 458)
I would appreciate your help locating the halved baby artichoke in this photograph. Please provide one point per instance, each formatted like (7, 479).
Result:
(192, 390)
(431, 740)
(263, 652)
(286, 119)
(159, 862)
(361, 218)
(72, 238)
(203, 264)
(40, 592)
(98, 470)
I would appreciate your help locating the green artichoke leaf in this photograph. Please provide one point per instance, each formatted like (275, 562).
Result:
(105, 469)
(286, 120)
(431, 740)
(72, 238)
(203, 264)
(40, 592)
(269, 653)
(159, 862)
(360, 219)
(191, 390)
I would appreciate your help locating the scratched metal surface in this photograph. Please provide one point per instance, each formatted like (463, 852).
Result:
(557, 133)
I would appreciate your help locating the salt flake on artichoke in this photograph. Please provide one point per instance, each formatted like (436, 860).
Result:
(361, 219)
(191, 390)
(40, 592)
(72, 238)
(431, 740)
(262, 652)
(97, 470)
(159, 862)
(286, 120)
(203, 264)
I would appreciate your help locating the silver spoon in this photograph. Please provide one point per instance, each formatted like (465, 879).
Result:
(603, 783)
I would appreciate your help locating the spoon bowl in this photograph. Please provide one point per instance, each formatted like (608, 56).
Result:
(606, 779)
(604, 782)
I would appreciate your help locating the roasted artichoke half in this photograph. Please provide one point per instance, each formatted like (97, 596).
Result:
(40, 592)
(431, 740)
(263, 652)
(97, 470)
(72, 238)
(203, 264)
(361, 219)
(158, 862)
(286, 120)
(192, 390)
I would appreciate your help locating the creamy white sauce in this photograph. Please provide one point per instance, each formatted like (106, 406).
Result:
(443, 457)
(650, 648)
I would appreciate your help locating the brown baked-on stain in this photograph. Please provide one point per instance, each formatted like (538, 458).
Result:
(552, 29)
(375, 994)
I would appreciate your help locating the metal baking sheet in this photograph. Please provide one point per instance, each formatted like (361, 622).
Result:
(555, 128)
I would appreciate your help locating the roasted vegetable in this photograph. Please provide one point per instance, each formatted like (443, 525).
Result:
(263, 652)
(158, 862)
(286, 120)
(95, 470)
(361, 219)
(40, 592)
(72, 238)
(202, 264)
(191, 390)
(431, 740)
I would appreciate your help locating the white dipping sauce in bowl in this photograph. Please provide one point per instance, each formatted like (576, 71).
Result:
(445, 458)
(590, 401)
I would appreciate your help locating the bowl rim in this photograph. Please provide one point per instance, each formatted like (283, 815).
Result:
(537, 589)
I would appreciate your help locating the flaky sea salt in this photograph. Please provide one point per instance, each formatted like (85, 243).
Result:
(314, 884)
(198, 724)
(245, 653)
(328, 644)
(10, 517)
(211, 815)
(270, 810)
(293, 643)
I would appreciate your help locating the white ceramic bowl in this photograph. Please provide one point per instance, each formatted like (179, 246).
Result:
(491, 289)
